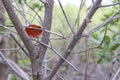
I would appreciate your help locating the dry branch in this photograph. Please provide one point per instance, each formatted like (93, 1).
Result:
(75, 38)
(36, 52)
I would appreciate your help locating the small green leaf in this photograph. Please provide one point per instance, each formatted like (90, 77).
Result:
(95, 36)
(107, 40)
(115, 46)
(1, 29)
(36, 5)
(99, 60)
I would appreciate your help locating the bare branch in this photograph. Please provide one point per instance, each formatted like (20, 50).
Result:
(44, 2)
(116, 74)
(5, 27)
(117, 3)
(87, 57)
(22, 4)
(115, 16)
(56, 52)
(96, 46)
(78, 13)
(54, 33)
(32, 49)
(75, 38)
(66, 17)
(14, 67)
(17, 24)
(19, 45)
(21, 12)
(35, 13)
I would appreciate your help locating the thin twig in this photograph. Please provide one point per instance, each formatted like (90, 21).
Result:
(20, 11)
(54, 33)
(65, 16)
(19, 45)
(112, 67)
(113, 4)
(21, 7)
(44, 2)
(22, 4)
(113, 17)
(86, 61)
(45, 63)
(41, 21)
(14, 67)
(75, 39)
(55, 51)
(87, 53)
(78, 14)
(96, 46)
(116, 74)
(100, 26)
(7, 28)
(48, 69)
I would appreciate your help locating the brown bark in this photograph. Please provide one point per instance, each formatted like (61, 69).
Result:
(45, 39)
(36, 52)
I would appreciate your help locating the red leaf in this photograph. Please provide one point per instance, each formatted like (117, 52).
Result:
(33, 30)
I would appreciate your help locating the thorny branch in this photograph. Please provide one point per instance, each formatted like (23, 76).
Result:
(75, 39)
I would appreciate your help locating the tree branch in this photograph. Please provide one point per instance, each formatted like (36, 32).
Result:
(37, 75)
(19, 45)
(113, 4)
(36, 52)
(56, 52)
(14, 67)
(66, 17)
(113, 17)
(18, 25)
(75, 38)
